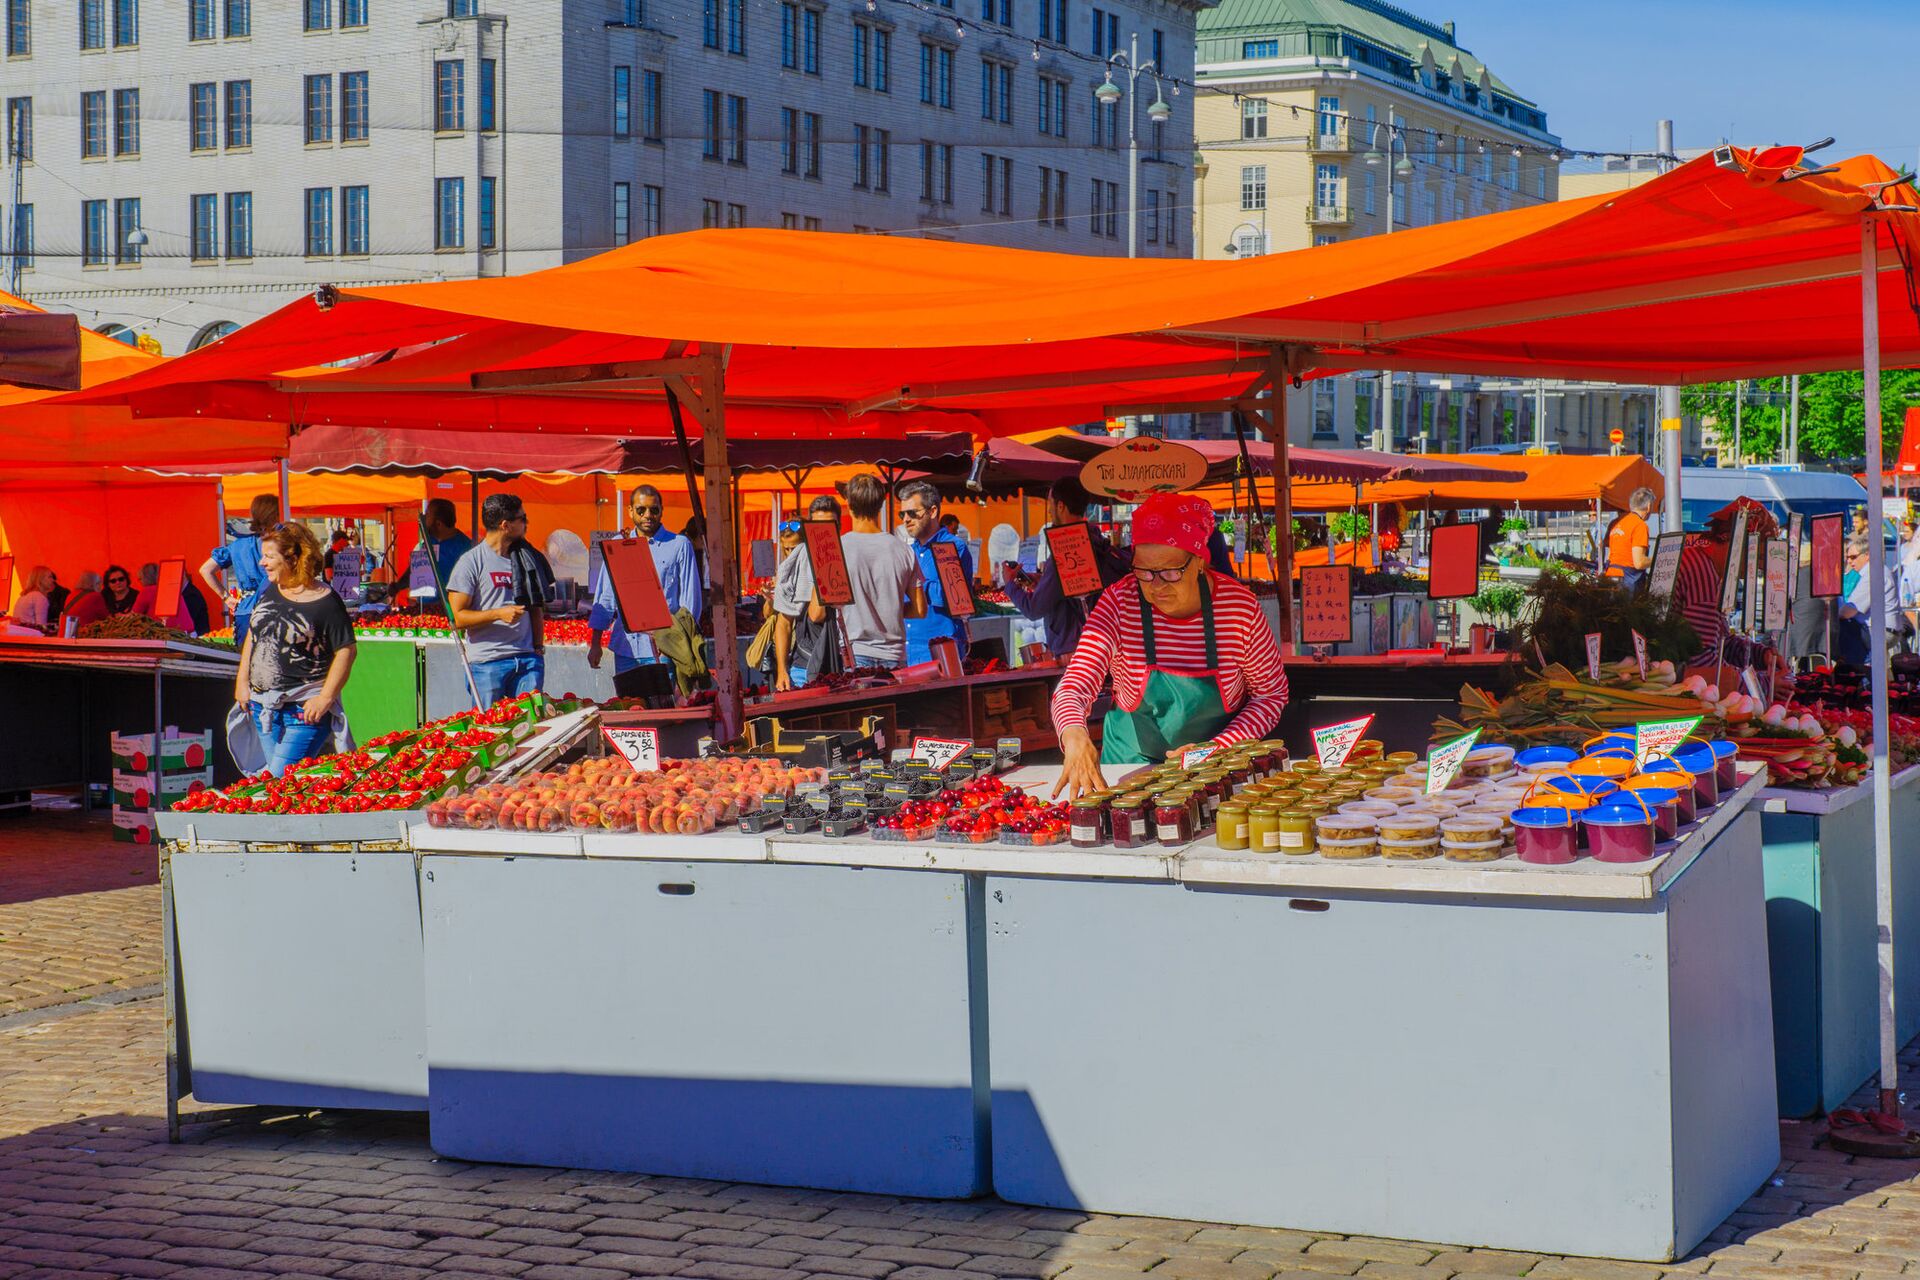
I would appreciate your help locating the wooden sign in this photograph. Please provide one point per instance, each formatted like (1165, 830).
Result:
(1135, 468)
(639, 747)
(1795, 521)
(829, 560)
(953, 580)
(1829, 561)
(1071, 546)
(1666, 565)
(166, 595)
(1453, 554)
(1730, 576)
(1326, 604)
(636, 586)
(1778, 574)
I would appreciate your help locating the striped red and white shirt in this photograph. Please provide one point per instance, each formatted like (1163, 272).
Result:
(1696, 593)
(1113, 647)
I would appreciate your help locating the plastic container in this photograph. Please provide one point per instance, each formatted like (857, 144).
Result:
(1587, 788)
(903, 835)
(1545, 759)
(1725, 769)
(1687, 795)
(1335, 827)
(1410, 850)
(1545, 835)
(1619, 831)
(1347, 850)
(1472, 850)
(1392, 795)
(1406, 826)
(1699, 760)
(1611, 767)
(1486, 762)
(1435, 806)
(1475, 828)
(1371, 808)
(1663, 798)
(1231, 825)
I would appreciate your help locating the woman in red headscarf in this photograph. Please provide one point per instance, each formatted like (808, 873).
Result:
(1188, 651)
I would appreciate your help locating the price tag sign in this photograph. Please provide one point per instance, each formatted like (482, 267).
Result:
(638, 747)
(958, 592)
(1666, 565)
(1779, 575)
(166, 594)
(1795, 524)
(636, 586)
(940, 752)
(1444, 761)
(1196, 755)
(1659, 737)
(1730, 577)
(348, 567)
(1453, 552)
(1326, 604)
(1829, 565)
(1071, 546)
(1336, 742)
(1593, 656)
(1751, 678)
(6, 583)
(829, 561)
(1752, 606)
(1640, 653)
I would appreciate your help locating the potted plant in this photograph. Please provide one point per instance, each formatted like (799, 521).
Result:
(1514, 529)
(1501, 602)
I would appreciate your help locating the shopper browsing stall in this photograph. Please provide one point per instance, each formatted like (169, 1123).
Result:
(503, 634)
(799, 619)
(1188, 652)
(297, 655)
(240, 560)
(34, 608)
(920, 517)
(445, 543)
(676, 563)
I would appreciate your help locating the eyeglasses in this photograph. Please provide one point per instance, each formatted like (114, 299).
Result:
(1163, 575)
(915, 514)
(640, 510)
(120, 578)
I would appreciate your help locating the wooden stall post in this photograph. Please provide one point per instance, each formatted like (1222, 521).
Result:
(707, 400)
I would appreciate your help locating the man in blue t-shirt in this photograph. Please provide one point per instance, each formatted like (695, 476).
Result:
(678, 565)
(446, 543)
(920, 517)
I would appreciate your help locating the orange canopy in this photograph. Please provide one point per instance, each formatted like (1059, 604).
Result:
(1552, 482)
(1734, 265)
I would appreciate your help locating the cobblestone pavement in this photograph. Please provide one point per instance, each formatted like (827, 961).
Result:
(79, 913)
(89, 1187)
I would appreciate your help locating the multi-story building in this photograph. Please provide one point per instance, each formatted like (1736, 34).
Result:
(178, 167)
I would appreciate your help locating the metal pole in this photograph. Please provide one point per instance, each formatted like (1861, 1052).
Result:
(1277, 376)
(1133, 147)
(1793, 421)
(286, 494)
(1540, 414)
(1669, 396)
(1877, 657)
(1739, 410)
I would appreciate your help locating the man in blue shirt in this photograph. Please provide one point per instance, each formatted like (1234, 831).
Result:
(446, 544)
(678, 565)
(920, 517)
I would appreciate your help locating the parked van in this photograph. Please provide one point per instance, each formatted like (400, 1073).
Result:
(1704, 490)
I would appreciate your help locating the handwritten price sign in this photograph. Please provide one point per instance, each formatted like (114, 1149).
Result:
(1640, 653)
(953, 579)
(638, 747)
(1072, 548)
(829, 561)
(1659, 737)
(1593, 656)
(1326, 604)
(1443, 764)
(1195, 756)
(940, 752)
(1336, 742)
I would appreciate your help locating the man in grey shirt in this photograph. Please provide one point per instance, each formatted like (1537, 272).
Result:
(504, 636)
(887, 588)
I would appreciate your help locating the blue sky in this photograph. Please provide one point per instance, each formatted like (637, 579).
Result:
(1759, 71)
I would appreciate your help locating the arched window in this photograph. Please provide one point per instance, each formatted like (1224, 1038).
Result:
(119, 333)
(212, 333)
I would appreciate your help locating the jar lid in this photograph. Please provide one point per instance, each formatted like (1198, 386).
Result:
(1370, 808)
(1491, 753)
(1533, 756)
(1542, 817)
(1617, 815)
(1235, 807)
(1467, 826)
(1346, 822)
(1086, 802)
(1424, 825)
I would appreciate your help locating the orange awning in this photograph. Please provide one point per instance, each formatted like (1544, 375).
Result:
(1551, 482)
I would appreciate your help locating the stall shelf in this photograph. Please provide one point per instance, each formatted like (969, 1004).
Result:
(1821, 937)
(960, 706)
(1533, 1060)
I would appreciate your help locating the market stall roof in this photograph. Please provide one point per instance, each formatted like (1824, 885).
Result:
(1547, 482)
(1309, 465)
(1736, 264)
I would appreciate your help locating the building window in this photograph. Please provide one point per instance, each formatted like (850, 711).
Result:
(1253, 50)
(126, 221)
(93, 25)
(463, 8)
(205, 210)
(1153, 217)
(1332, 123)
(1326, 186)
(126, 122)
(1053, 106)
(650, 201)
(1106, 33)
(709, 213)
(810, 145)
(319, 109)
(240, 117)
(93, 233)
(1060, 198)
(650, 105)
(1113, 210)
(200, 24)
(319, 222)
(790, 35)
(736, 215)
(936, 75)
(789, 140)
(736, 129)
(1106, 123)
(240, 23)
(23, 236)
(449, 96)
(353, 106)
(489, 95)
(737, 27)
(354, 221)
(19, 28)
(1173, 219)
(710, 24)
(1366, 193)
(353, 13)
(318, 17)
(622, 212)
(1253, 118)
(1160, 51)
(999, 11)
(710, 114)
(872, 51)
(996, 91)
(997, 179)
(93, 124)
(882, 147)
(1053, 20)
(1253, 187)
(489, 213)
(862, 173)
(1095, 200)
(20, 129)
(449, 213)
(789, 222)
(936, 172)
(810, 41)
(623, 102)
(239, 224)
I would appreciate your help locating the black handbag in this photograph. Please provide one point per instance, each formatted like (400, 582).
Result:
(816, 647)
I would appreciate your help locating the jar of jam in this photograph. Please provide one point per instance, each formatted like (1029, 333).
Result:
(1233, 824)
(1213, 792)
(1402, 758)
(1173, 819)
(1304, 768)
(1313, 785)
(1263, 828)
(1131, 820)
(1295, 834)
(1087, 823)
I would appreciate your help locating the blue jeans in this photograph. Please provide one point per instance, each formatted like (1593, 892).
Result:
(509, 677)
(288, 738)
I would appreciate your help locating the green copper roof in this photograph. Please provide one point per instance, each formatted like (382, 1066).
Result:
(1374, 21)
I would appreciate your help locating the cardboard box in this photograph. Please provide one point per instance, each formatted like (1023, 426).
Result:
(134, 752)
(157, 791)
(132, 826)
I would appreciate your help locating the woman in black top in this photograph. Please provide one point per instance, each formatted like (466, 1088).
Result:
(119, 590)
(298, 652)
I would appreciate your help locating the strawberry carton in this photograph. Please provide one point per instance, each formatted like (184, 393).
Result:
(176, 751)
(132, 826)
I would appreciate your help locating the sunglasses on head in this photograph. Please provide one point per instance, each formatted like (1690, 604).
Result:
(790, 526)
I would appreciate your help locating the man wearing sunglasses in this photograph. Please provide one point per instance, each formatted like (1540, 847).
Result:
(675, 560)
(920, 518)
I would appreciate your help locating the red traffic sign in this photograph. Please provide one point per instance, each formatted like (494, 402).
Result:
(1617, 436)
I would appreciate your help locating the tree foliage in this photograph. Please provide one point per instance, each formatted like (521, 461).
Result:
(1832, 413)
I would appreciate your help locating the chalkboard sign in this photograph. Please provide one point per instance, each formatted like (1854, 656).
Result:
(829, 561)
(1326, 603)
(1453, 553)
(1072, 548)
(1666, 565)
(636, 586)
(953, 580)
(1829, 564)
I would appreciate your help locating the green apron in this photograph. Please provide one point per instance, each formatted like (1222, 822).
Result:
(1177, 708)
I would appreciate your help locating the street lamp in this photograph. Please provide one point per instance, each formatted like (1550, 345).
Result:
(1403, 167)
(1159, 112)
